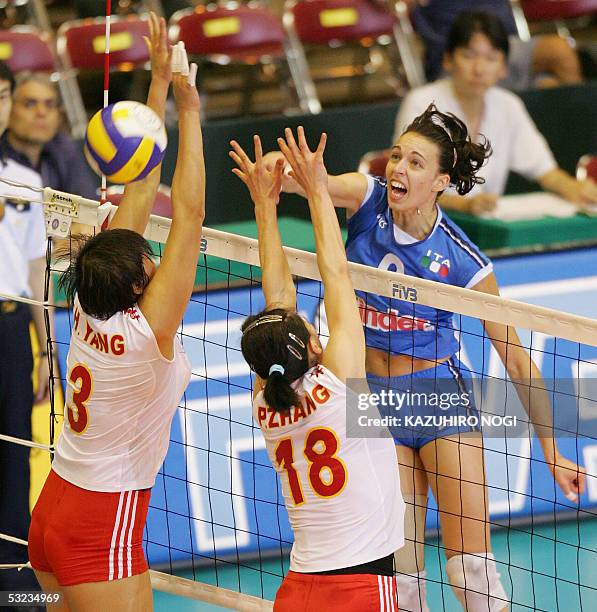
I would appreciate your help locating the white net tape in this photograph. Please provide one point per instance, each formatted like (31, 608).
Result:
(66, 208)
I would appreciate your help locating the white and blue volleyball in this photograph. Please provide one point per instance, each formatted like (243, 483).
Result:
(125, 141)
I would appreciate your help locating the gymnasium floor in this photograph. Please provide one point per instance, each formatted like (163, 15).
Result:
(531, 591)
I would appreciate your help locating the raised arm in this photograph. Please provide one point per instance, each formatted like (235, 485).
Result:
(139, 196)
(522, 369)
(167, 295)
(345, 350)
(346, 190)
(264, 186)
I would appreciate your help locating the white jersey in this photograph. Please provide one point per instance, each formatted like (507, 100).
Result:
(121, 396)
(22, 229)
(342, 494)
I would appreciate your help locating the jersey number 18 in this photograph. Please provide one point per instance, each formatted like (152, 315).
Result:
(321, 446)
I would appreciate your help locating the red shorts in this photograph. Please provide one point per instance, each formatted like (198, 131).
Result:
(87, 536)
(336, 593)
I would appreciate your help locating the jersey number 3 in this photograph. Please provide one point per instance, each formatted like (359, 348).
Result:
(82, 382)
(321, 446)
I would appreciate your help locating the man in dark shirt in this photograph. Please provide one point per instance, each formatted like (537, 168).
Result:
(33, 139)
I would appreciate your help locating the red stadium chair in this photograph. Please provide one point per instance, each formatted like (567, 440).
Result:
(556, 11)
(25, 48)
(587, 168)
(553, 10)
(363, 26)
(245, 39)
(81, 43)
(375, 162)
(161, 207)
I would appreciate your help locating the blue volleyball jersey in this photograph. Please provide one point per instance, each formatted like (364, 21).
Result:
(446, 256)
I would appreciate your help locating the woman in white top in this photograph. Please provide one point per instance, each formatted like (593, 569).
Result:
(476, 59)
(342, 493)
(127, 371)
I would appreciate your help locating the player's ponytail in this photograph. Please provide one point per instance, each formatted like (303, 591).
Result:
(274, 344)
(459, 156)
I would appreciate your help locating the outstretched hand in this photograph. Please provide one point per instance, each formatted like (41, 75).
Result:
(308, 169)
(184, 80)
(264, 184)
(160, 50)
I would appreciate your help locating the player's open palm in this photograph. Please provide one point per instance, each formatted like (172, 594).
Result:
(264, 183)
(308, 168)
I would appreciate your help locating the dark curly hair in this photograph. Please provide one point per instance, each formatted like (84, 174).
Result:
(106, 272)
(459, 156)
(278, 337)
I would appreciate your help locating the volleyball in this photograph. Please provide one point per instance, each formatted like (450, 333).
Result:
(125, 141)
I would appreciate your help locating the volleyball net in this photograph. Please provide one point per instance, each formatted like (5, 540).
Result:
(217, 528)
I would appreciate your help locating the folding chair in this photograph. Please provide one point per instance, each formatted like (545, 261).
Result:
(363, 27)
(81, 48)
(375, 162)
(81, 43)
(587, 168)
(556, 11)
(249, 39)
(25, 48)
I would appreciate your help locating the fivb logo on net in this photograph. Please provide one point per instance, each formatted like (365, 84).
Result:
(404, 292)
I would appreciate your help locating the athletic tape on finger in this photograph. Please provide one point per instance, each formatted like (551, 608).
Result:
(176, 58)
(184, 60)
(192, 79)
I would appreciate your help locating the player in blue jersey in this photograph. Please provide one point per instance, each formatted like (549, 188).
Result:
(395, 223)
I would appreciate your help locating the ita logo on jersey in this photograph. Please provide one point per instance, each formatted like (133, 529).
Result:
(436, 263)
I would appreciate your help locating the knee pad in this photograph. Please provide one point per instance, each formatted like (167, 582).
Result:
(412, 592)
(410, 559)
(476, 582)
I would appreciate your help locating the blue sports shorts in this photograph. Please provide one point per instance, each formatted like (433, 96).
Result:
(437, 402)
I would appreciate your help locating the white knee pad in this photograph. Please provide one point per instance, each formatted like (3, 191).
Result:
(412, 592)
(476, 582)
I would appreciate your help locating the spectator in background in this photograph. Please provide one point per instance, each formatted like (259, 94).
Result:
(22, 271)
(476, 59)
(34, 140)
(546, 60)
